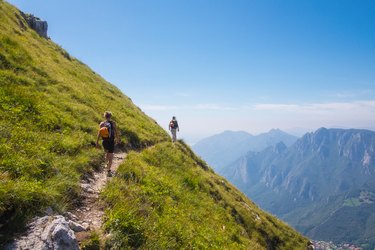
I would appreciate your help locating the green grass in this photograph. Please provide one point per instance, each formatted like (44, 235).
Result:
(164, 199)
(92, 242)
(50, 107)
(367, 197)
(352, 202)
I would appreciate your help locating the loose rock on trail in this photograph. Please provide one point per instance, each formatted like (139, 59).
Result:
(91, 211)
(65, 231)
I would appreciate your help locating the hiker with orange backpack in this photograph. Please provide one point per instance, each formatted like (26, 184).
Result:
(173, 127)
(109, 134)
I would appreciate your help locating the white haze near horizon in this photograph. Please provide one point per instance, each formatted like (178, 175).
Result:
(203, 120)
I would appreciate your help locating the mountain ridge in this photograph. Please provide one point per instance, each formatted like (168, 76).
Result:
(224, 148)
(325, 175)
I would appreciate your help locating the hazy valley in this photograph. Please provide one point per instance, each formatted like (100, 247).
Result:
(323, 184)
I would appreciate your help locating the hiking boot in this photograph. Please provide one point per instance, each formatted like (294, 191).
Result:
(109, 173)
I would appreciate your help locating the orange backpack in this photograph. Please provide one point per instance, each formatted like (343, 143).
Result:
(104, 133)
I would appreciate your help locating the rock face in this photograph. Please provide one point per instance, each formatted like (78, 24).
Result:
(323, 184)
(326, 162)
(49, 232)
(36, 24)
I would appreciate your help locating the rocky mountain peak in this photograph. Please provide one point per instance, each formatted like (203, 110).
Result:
(275, 131)
(323, 184)
(353, 144)
(279, 147)
(37, 24)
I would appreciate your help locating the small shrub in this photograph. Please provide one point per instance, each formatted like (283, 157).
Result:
(191, 183)
(92, 242)
(127, 229)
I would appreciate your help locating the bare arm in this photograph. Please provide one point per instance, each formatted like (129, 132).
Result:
(97, 139)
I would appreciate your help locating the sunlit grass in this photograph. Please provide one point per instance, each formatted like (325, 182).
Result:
(50, 107)
(164, 199)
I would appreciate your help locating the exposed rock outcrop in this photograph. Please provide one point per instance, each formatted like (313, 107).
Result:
(49, 232)
(65, 232)
(35, 23)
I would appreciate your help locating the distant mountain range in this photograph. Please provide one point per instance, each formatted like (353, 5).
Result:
(223, 149)
(323, 184)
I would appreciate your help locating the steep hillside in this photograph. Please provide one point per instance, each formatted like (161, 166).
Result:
(223, 149)
(163, 195)
(323, 184)
(50, 107)
(167, 198)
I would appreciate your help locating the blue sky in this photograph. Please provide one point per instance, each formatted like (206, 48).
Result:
(228, 65)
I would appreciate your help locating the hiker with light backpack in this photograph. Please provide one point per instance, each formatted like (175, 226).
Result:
(173, 127)
(109, 134)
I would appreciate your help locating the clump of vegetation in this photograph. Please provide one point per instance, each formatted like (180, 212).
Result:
(92, 242)
(162, 198)
(50, 107)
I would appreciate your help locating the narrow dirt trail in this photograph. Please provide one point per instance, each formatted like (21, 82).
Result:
(55, 231)
(90, 212)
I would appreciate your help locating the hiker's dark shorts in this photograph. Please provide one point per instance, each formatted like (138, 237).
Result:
(109, 146)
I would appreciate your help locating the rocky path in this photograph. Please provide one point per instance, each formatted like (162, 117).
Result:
(91, 212)
(66, 231)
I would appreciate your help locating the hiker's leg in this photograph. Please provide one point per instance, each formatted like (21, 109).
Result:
(109, 159)
(106, 150)
(173, 135)
(106, 158)
(109, 156)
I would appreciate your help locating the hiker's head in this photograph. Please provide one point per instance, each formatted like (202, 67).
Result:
(174, 118)
(107, 115)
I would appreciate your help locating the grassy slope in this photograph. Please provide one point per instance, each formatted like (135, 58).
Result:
(165, 197)
(50, 105)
